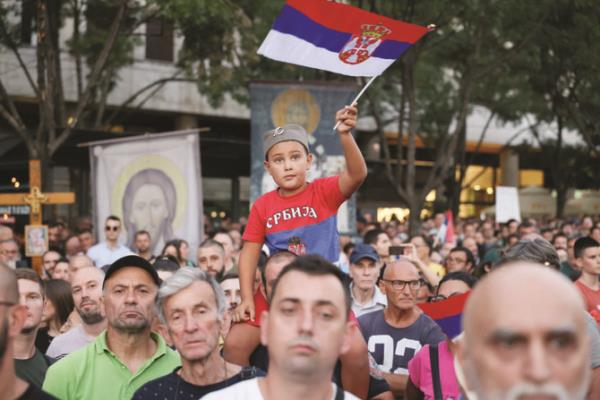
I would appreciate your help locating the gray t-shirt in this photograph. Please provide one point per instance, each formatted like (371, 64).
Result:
(391, 347)
(68, 342)
(594, 333)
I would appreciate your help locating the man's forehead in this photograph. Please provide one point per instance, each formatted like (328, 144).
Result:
(229, 284)
(197, 292)
(130, 276)
(323, 288)
(401, 270)
(209, 251)
(27, 286)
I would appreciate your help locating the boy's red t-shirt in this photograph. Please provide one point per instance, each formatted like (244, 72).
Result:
(590, 296)
(305, 223)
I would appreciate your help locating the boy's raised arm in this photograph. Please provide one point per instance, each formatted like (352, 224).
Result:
(356, 169)
(247, 269)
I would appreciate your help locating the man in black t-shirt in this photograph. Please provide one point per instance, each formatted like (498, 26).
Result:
(192, 307)
(12, 319)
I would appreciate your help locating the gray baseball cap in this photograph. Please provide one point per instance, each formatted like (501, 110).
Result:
(283, 134)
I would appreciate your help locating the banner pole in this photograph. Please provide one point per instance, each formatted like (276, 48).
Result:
(355, 101)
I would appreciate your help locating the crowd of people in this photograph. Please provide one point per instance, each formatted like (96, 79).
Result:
(280, 307)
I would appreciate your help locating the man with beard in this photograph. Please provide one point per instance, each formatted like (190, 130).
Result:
(306, 331)
(30, 363)
(525, 336)
(86, 286)
(128, 354)
(192, 307)
(13, 317)
(211, 258)
(141, 245)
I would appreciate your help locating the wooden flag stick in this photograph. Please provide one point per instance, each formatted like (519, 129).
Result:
(355, 101)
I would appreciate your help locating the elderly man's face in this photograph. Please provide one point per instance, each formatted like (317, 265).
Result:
(129, 297)
(306, 330)
(193, 321)
(10, 251)
(364, 273)
(527, 343)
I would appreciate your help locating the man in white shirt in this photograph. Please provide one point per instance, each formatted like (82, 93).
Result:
(87, 294)
(109, 251)
(364, 271)
(305, 331)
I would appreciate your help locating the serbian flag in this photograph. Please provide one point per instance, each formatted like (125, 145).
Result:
(337, 37)
(447, 313)
(446, 233)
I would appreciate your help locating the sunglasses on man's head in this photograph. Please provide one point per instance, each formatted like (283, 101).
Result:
(111, 228)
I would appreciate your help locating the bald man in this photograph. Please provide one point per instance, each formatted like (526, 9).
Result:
(79, 261)
(86, 286)
(12, 319)
(395, 334)
(525, 336)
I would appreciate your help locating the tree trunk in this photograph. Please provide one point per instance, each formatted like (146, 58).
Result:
(414, 218)
(561, 201)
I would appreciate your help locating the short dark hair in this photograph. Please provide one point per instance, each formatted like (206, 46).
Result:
(468, 253)
(229, 275)
(316, 265)
(372, 236)
(557, 235)
(465, 277)
(30, 275)
(166, 263)
(113, 218)
(582, 244)
(142, 232)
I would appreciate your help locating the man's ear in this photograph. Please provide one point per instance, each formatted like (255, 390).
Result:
(578, 264)
(349, 333)
(264, 326)
(16, 319)
(309, 161)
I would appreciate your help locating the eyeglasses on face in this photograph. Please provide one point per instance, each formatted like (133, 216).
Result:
(400, 285)
(111, 228)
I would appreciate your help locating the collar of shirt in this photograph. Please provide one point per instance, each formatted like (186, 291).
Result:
(378, 298)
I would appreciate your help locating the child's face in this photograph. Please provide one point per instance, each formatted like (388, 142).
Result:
(590, 261)
(287, 162)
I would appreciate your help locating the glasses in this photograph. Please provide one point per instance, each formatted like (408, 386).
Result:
(400, 285)
(111, 228)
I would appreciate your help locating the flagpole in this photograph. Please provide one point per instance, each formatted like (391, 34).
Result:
(355, 101)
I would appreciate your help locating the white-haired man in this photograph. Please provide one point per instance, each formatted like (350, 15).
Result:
(192, 306)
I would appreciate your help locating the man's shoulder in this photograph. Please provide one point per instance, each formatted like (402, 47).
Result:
(76, 359)
(367, 321)
(247, 389)
(157, 386)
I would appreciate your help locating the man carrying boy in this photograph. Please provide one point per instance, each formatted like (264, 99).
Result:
(587, 260)
(298, 216)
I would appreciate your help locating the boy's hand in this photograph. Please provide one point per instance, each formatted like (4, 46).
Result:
(346, 119)
(244, 312)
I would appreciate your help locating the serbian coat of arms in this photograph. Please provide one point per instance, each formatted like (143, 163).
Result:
(361, 46)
